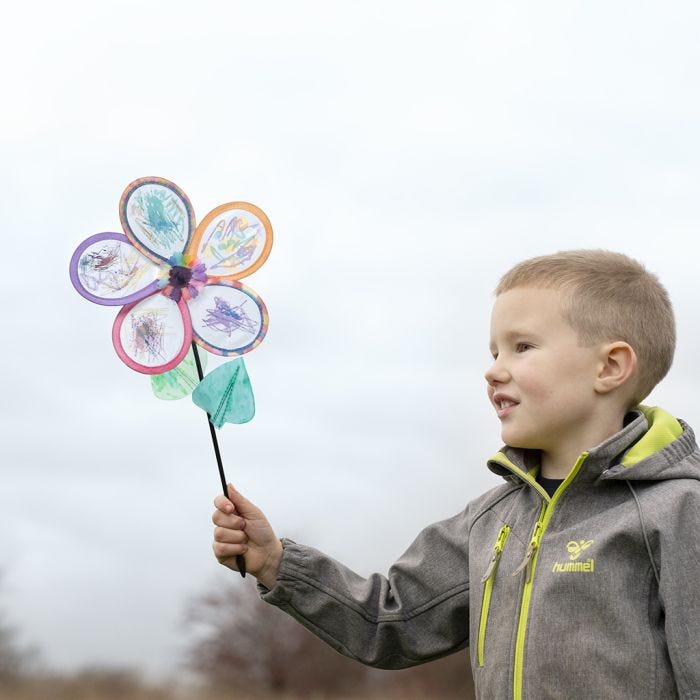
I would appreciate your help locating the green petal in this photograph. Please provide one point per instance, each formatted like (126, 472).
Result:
(178, 382)
(226, 394)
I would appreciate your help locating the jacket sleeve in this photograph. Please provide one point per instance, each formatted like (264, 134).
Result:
(679, 574)
(418, 613)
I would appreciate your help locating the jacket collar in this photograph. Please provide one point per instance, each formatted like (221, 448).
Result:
(515, 464)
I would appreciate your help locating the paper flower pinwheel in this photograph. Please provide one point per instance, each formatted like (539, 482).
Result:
(177, 282)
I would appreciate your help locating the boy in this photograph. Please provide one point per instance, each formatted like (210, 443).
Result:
(578, 577)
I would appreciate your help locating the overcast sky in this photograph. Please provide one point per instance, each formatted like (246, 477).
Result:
(407, 154)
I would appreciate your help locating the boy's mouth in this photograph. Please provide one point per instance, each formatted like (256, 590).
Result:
(506, 410)
(503, 404)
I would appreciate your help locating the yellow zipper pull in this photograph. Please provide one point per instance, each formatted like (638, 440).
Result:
(497, 550)
(526, 563)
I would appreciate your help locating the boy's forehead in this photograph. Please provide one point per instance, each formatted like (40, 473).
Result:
(534, 299)
(526, 309)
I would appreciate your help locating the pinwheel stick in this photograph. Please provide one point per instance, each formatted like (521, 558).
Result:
(240, 560)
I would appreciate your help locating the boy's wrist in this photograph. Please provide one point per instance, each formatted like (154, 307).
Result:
(268, 574)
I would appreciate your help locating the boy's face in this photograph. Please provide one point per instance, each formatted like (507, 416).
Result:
(542, 381)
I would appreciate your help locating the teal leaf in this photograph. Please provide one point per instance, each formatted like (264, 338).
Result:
(226, 394)
(180, 381)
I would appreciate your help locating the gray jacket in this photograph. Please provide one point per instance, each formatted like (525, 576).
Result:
(593, 593)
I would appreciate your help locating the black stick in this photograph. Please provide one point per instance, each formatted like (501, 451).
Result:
(240, 560)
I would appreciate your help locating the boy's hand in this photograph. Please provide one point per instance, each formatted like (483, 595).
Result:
(242, 528)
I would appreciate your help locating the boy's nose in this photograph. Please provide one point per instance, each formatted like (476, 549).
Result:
(496, 374)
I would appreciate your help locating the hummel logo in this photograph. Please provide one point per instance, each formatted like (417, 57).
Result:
(575, 548)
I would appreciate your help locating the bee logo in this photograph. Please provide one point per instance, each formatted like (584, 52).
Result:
(575, 548)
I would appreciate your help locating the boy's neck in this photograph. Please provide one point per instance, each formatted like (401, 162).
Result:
(555, 469)
(556, 464)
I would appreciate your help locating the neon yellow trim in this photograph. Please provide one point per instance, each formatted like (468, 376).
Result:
(501, 459)
(522, 620)
(663, 430)
(488, 586)
(542, 521)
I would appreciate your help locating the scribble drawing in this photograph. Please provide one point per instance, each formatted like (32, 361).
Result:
(235, 243)
(113, 268)
(159, 215)
(148, 335)
(227, 318)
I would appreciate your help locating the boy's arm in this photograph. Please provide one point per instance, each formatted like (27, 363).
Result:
(679, 591)
(420, 612)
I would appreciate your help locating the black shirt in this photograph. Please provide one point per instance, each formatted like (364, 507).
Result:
(549, 485)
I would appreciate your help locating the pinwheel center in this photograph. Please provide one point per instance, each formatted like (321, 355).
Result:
(180, 276)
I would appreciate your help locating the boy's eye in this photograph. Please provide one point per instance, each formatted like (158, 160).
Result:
(522, 347)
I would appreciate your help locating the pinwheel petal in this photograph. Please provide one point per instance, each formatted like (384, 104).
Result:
(226, 394)
(153, 335)
(232, 240)
(108, 270)
(157, 217)
(179, 381)
(228, 318)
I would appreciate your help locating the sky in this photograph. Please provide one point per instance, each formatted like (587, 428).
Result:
(407, 154)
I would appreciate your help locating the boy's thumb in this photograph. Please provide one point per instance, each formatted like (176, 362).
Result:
(243, 505)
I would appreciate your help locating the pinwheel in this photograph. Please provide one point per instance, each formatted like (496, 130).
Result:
(176, 283)
(178, 286)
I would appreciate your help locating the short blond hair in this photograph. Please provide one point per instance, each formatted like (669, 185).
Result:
(608, 297)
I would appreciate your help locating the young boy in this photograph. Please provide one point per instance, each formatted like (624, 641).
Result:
(579, 577)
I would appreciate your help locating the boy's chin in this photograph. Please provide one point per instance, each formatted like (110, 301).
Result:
(521, 442)
(522, 446)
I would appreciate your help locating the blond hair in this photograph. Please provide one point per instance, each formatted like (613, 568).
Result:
(608, 297)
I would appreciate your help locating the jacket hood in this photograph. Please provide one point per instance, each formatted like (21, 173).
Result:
(666, 450)
(652, 446)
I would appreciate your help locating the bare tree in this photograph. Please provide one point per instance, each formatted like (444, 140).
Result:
(12, 659)
(449, 678)
(241, 643)
(15, 659)
(101, 683)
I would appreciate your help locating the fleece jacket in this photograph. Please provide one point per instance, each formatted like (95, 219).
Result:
(594, 592)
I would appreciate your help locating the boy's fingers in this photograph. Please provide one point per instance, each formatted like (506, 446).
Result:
(227, 551)
(232, 522)
(240, 502)
(226, 536)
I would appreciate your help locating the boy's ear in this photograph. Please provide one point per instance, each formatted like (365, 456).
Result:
(618, 364)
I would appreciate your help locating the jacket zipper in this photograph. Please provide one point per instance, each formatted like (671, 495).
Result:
(532, 547)
(530, 562)
(488, 580)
